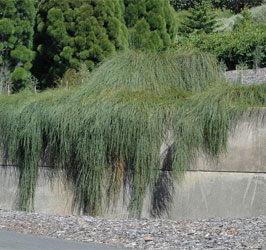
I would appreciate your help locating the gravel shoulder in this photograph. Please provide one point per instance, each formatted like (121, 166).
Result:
(249, 233)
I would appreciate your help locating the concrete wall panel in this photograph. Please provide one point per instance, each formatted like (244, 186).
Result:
(52, 195)
(207, 195)
(232, 186)
(246, 151)
(197, 195)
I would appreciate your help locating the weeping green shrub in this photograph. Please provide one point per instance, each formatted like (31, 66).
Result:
(110, 129)
(188, 70)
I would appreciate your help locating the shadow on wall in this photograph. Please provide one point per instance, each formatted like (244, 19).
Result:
(162, 196)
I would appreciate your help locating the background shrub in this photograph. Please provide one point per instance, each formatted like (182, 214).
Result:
(201, 18)
(232, 48)
(16, 38)
(259, 14)
(71, 32)
(151, 22)
(234, 5)
(184, 4)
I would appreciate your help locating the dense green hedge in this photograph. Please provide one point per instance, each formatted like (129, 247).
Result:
(233, 48)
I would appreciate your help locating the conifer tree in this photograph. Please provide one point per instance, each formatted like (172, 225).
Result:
(236, 5)
(151, 23)
(17, 18)
(233, 5)
(183, 4)
(201, 18)
(71, 32)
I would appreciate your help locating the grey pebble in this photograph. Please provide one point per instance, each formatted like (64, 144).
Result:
(248, 233)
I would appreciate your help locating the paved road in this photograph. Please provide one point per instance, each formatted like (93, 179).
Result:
(17, 241)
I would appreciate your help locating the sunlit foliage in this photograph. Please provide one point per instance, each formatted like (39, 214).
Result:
(71, 33)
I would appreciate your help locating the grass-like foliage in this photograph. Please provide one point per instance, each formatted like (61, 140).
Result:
(109, 131)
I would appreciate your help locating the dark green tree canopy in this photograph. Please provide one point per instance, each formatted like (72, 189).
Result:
(151, 23)
(17, 19)
(201, 18)
(234, 5)
(71, 32)
(183, 4)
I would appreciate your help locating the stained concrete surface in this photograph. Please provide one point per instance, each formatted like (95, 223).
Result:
(246, 151)
(232, 186)
(53, 195)
(208, 195)
(197, 195)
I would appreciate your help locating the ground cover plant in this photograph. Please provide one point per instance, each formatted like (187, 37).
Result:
(112, 126)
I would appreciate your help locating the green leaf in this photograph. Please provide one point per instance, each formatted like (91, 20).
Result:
(19, 74)
(6, 27)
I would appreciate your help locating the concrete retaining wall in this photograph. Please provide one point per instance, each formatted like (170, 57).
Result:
(52, 195)
(246, 151)
(233, 186)
(210, 194)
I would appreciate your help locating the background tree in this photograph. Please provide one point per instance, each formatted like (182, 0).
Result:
(71, 32)
(17, 19)
(234, 5)
(151, 23)
(243, 20)
(201, 18)
(184, 4)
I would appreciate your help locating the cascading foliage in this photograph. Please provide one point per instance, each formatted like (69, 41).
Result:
(109, 131)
